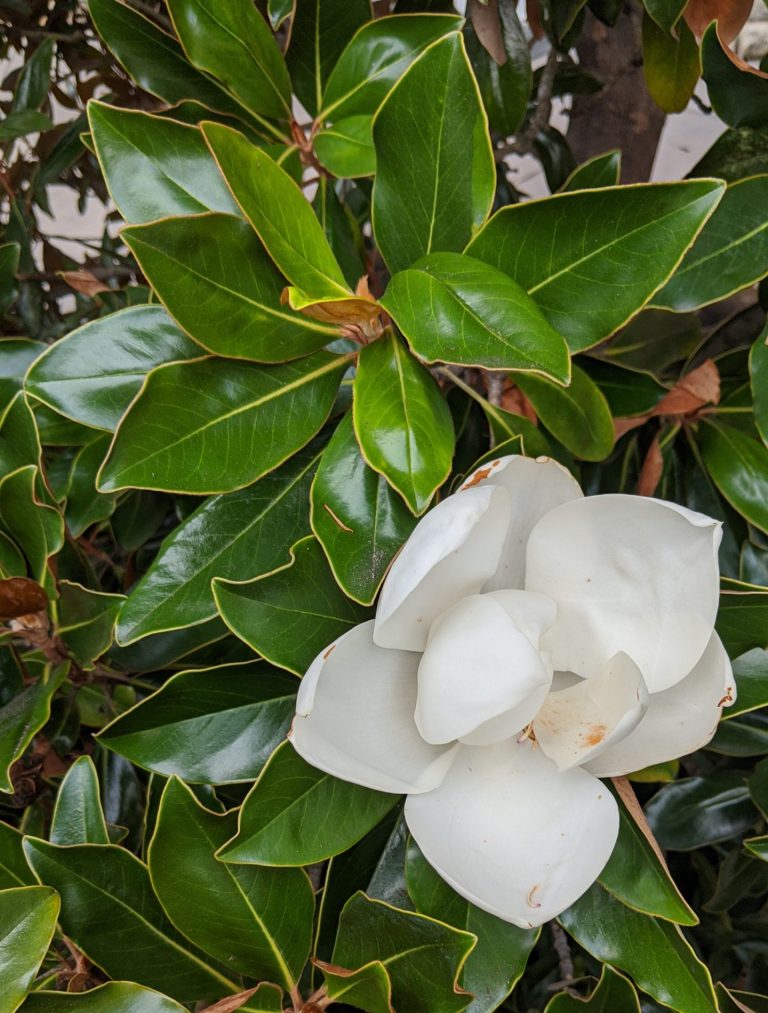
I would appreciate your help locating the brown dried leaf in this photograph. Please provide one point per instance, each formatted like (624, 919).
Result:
(21, 596)
(731, 16)
(699, 387)
(487, 25)
(84, 282)
(627, 795)
(533, 15)
(232, 1002)
(651, 472)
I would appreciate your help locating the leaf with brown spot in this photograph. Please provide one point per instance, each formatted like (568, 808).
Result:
(21, 596)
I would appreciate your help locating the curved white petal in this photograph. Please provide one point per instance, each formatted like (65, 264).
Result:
(678, 721)
(478, 665)
(512, 834)
(354, 717)
(631, 574)
(451, 553)
(579, 723)
(535, 486)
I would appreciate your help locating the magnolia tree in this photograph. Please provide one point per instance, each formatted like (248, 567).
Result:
(383, 552)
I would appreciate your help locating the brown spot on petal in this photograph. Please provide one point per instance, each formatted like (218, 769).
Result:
(727, 699)
(329, 652)
(480, 475)
(595, 734)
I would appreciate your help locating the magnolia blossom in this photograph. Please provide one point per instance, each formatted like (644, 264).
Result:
(527, 642)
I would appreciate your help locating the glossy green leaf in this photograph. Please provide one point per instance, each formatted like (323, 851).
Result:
(758, 846)
(435, 172)
(9, 266)
(654, 952)
(319, 32)
(742, 620)
(730, 253)
(498, 961)
(237, 536)
(278, 210)
(93, 374)
(86, 621)
(234, 44)
(613, 994)
(357, 517)
(758, 372)
(153, 59)
(210, 726)
(596, 173)
(697, 811)
(738, 466)
(402, 422)
(114, 997)
(34, 80)
(478, 316)
(77, 816)
(161, 650)
(670, 64)
(739, 95)
(627, 391)
(747, 736)
(290, 796)
(592, 259)
(505, 87)
(244, 421)
(346, 148)
(14, 870)
(85, 505)
(23, 717)
(279, 10)
(637, 877)
(424, 958)
(37, 529)
(109, 910)
(751, 674)
(577, 415)
(666, 13)
(246, 927)
(215, 278)
(22, 123)
(155, 166)
(376, 57)
(27, 920)
(368, 988)
(290, 615)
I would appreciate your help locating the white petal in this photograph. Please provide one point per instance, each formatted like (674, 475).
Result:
(579, 723)
(354, 717)
(451, 553)
(535, 487)
(509, 724)
(678, 721)
(478, 665)
(512, 834)
(631, 574)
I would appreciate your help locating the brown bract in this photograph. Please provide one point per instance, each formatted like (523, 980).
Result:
(20, 596)
(84, 282)
(232, 1002)
(690, 394)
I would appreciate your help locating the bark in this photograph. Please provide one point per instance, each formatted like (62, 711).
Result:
(623, 115)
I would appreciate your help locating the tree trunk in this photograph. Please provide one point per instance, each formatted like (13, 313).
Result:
(623, 115)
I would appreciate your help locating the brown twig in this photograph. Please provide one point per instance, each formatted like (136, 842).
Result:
(563, 951)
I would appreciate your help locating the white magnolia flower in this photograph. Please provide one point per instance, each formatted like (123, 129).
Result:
(527, 641)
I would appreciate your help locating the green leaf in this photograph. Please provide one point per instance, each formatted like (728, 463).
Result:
(209, 726)
(234, 44)
(758, 846)
(77, 815)
(114, 997)
(86, 621)
(751, 674)
(376, 57)
(614, 994)
(34, 80)
(153, 59)
(23, 717)
(697, 811)
(666, 13)
(578, 415)
(478, 316)
(244, 421)
(627, 391)
(592, 259)
(319, 32)
(290, 615)
(734, 155)
(346, 148)
(357, 517)
(368, 988)
(237, 536)
(93, 374)
(245, 927)
(9, 266)
(25, 122)
(155, 166)
(14, 870)
(278, 210)
(27, 920)
(212, 268)
(730, 253)
(505, 87)
(84, 504)
(596, 173)
(738, 466)
(279, 10)
(424, 958)
(109, 910)
(670, 65)
(402, 422)
(498, 961)
(739, 94)
(742, 620)
(745, 737)
(655, 953)
(36, 528)
(435, 172)
(636, 875)
(290, 796)
(758, 373)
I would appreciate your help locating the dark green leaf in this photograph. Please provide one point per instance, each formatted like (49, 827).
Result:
(698, 811)
(34, 81)
(735, 155)
(627, 391)
(86, 621)
(77, 816)
(742, 620)
(367, 988)
(14, 870)
(27, 920)
(435, 172)
(614, 994)
(738, 93)
(597, 172)
(114, 997)
(747, 736)
(22, 123)
(739, 468)
(751, 673)
(290, 615)
(758, 372)
(9, 266)
(666, 13)
(84, 504)
(505, 87)
(23, 717)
